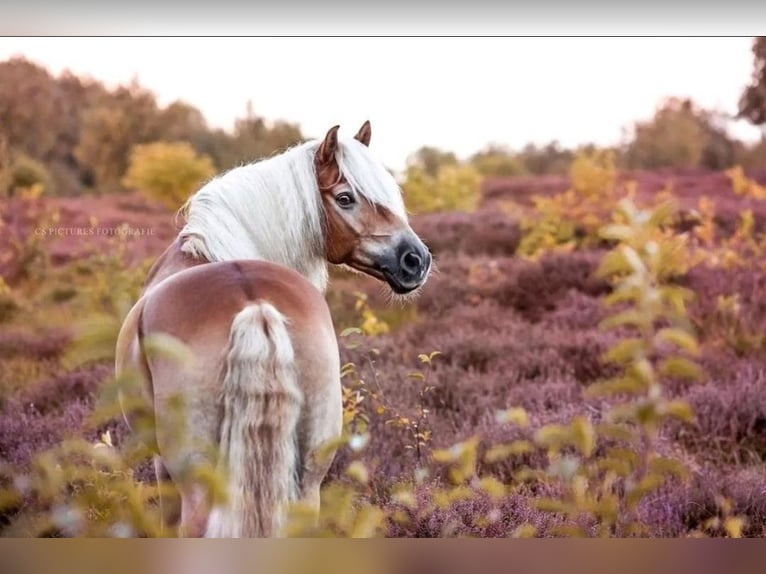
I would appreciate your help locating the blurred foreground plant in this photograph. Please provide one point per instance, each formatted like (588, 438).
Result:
(78, 488)
(607, 469)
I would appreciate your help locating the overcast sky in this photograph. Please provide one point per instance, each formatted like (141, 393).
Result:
(454, 93)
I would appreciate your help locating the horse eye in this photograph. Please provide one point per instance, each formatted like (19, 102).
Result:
(344, 199)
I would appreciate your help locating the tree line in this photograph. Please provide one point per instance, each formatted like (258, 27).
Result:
(73, 135)
(681, 134)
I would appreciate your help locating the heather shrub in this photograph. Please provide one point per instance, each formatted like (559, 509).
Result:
(81, 487)
(24, 223)
(5, 161)
(518, 427)
(167, 172)
(9, 304)
(606, 470)
(729, 312)
(536, 287)
(486, 232)
(731, 416)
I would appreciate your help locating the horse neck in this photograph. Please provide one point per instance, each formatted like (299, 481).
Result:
(251, 213)
(172, 261)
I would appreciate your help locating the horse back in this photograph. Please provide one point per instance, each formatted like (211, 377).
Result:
(190, 301)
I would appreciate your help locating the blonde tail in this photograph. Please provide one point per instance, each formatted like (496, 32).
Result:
(261, 403)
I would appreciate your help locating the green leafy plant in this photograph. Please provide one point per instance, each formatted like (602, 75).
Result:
(87, 489)
(608, 468)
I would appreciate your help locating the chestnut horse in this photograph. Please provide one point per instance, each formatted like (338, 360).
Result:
(242, 287)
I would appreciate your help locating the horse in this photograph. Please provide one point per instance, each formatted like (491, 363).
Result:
(242, 286)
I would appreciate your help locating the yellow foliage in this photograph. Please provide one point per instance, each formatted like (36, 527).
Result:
(168, 172)
(593, 174)
(743, 248)
(454, 188)
(371, 323)
(744, 186)
(571, 219)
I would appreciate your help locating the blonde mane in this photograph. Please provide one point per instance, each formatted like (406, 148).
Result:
(271, 209)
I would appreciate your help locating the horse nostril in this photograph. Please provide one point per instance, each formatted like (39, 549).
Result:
(411, 262)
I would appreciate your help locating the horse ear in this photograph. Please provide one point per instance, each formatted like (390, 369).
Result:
(326, 151)
(365, 133)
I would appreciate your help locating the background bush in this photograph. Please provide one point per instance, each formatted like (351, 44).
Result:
(453, 188)
(167, 172)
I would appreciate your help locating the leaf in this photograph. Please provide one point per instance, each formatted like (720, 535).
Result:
(583, 435)
(503, 451)
(515, 416)
(663, 213)
(347, 369)
(614, 431)
(642, 371)
(618, 466)
(617, 232)
(615, 386)
(406, 497)
(624, 351)
(622, 413)
(547, 504)
(679, 409)
(630, 317)
(351, 331)
(165, 346)
(368, 522)
(679, 338)
(624, 293)
(358, 471)
(493, 487)
(552, 436)
(428, 358)
(734, 526)
(681, 368)
(667, 465)
(627, 455)
(525, 530)
(613, 263)
(647, 484)
(634, 260)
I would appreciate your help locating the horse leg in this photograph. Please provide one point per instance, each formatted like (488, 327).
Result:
(321, 422)
(186, 449)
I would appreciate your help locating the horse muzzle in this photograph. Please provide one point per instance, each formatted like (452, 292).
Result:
(406, 267)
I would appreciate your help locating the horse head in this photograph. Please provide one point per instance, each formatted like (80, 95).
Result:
(368, 235)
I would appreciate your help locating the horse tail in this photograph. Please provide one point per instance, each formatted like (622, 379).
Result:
(260, 403)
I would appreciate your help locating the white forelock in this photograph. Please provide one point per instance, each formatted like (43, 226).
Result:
(271, 209)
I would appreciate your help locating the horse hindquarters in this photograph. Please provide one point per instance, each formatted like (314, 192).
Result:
(264, 354)
(260, 408)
